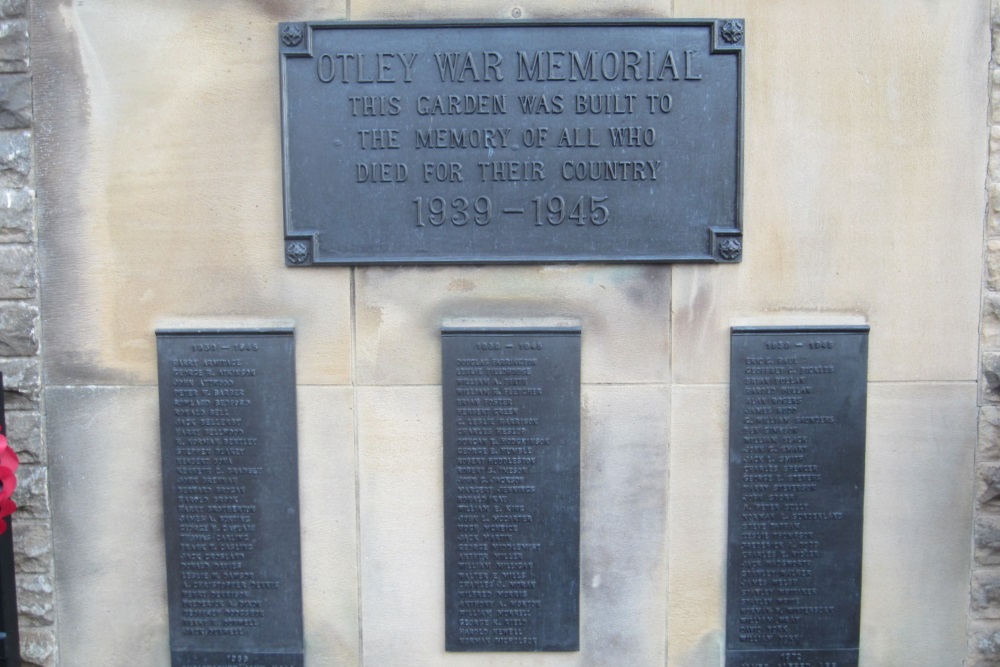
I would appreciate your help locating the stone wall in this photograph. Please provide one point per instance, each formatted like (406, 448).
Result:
(984, 612)
(19, 341)
(158, 169)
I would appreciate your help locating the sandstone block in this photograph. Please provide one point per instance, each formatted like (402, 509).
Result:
(984, 644)
(15, 156)
(18, 327)
(17, 224)
(24, 432)
(32, 494)
(32, 547)
(989, 433)
(993, 264)
(35, 603)
(994, 159)
(14, 45)
(993, 228)
(996, 33)
(995, 96)
(986, 594)
(991, 320)
(15, 101)
(989, 384)
(20, 383)
(38, 647)
(987, 538)
(17, 271)
(10, 9)
(988, 487)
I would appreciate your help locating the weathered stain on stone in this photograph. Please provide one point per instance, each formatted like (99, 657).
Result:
(61, 126)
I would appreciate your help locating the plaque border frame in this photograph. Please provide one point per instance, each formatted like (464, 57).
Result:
(296, 655)
(724, 245)
(576, 331)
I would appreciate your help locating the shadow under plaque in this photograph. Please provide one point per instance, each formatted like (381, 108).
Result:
(511, 488)
(230, 490)
(796, 489)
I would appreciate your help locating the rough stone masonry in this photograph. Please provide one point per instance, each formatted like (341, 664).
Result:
(19, 348)
(984, 610)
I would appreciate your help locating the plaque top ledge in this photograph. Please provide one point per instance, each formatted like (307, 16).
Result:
(533, 331)
(268, 331)
(491, 23)
(845, 328)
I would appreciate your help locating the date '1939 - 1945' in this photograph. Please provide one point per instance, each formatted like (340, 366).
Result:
(555, 210)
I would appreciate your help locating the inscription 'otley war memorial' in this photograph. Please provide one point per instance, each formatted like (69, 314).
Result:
(481, 143)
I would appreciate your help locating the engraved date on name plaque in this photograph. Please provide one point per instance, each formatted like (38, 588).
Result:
(796, 485)
(230, 489)
(512, 488)
(512, 141)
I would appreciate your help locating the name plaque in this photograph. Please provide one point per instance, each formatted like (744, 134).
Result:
(230, 497)
(511, 488)
(512, 142)
(796, 487)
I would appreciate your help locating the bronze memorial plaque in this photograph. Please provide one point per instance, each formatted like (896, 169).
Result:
(516, 141)
(230, 497)
(511, 488)
(796, 487)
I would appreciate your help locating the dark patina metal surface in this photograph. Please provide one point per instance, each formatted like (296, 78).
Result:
(519, 141)
(796, 488)
(512, 488)
(230, 497)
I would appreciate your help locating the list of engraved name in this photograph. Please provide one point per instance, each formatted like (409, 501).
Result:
(500, 439)
(782, 500)
(215, 450)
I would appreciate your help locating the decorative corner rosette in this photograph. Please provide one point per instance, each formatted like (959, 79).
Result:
(298, 252)
(731, 31)
(727, 245)
(292, 34)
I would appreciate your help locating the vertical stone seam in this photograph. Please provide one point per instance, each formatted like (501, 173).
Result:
(983, 620)
(357, 458)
